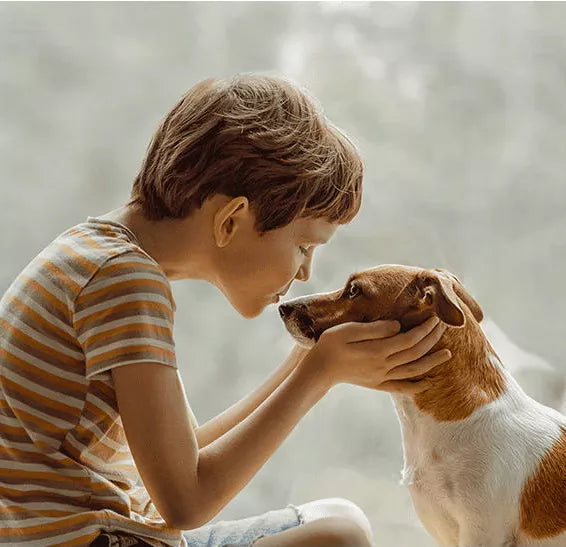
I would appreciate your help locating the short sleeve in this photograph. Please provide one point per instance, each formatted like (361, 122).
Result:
(124, 314)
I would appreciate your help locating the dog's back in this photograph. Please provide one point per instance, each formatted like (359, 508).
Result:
(538, 379)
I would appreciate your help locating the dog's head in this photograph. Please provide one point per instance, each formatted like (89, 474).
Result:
(407, 294)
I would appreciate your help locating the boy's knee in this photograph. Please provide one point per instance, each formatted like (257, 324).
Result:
(337, 507)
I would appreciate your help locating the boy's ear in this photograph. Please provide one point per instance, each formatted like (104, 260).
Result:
(227, 218)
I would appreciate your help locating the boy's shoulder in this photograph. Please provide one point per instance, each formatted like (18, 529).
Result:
(78, 254)
(98, 240)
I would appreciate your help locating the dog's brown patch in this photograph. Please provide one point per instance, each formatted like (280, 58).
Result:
(465, 383)
(543, 499)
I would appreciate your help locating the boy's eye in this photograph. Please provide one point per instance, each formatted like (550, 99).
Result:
(304, 250)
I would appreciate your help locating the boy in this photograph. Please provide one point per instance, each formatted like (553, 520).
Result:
(242, 180)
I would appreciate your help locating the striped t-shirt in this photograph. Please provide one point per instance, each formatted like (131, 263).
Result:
(90, 301)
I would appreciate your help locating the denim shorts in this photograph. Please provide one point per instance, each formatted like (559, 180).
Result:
(224, 533)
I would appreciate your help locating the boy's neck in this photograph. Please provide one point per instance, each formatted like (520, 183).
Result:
(179, 246)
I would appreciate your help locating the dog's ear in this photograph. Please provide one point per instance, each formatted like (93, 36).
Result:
(436, 293)
(464, 295)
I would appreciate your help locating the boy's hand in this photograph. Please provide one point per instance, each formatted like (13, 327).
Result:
(374, 355)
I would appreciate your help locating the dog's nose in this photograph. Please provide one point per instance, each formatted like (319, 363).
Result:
(285, 310)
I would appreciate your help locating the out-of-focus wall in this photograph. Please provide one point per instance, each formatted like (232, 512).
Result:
(458, 109)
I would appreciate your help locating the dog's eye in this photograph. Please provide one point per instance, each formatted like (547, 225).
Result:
(354, 291)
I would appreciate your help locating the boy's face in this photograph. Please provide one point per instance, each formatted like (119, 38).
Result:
(255, 270)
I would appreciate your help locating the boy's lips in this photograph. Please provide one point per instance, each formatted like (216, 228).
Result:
(278, 295)
(284, 291)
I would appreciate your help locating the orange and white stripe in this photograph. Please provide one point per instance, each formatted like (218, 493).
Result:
(90, 301)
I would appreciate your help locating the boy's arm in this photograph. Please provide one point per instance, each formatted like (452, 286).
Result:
(189, 485)
(217, 426)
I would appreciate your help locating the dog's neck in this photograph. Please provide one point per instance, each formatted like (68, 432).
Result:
(470, 379)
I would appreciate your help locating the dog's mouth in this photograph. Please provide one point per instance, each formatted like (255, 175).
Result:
(306, 326)
(300, 324)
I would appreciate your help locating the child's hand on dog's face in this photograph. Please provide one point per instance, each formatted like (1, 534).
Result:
(377, 356)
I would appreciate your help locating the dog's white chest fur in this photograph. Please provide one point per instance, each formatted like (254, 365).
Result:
(466, 476)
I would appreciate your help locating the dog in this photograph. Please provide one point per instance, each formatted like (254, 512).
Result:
(485, 463)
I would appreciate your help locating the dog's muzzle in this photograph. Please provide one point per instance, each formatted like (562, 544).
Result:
(297, 320)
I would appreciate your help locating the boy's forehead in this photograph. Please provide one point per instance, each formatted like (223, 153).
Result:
(317, 230)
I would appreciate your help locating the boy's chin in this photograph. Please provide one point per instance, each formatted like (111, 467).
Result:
(250, 309)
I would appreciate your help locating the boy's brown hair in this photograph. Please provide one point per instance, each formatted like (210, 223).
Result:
(253, 135)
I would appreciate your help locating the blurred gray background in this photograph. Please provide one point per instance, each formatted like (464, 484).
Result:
(458, 109)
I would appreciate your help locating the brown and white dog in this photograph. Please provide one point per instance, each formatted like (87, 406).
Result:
(485, 463)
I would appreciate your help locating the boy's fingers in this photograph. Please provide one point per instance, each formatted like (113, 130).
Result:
(360, 332)
(408, 339)
(419, 350)
(406, 387)
(417, 368)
